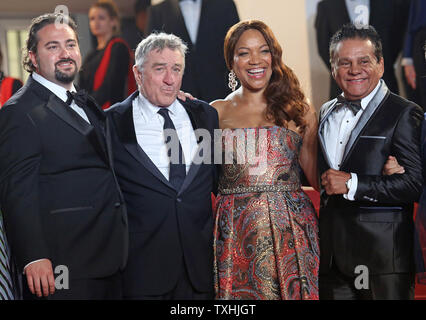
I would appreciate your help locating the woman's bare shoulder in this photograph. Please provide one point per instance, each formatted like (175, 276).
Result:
(221, 104)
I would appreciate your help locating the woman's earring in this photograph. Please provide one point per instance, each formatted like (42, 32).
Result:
(232, 80)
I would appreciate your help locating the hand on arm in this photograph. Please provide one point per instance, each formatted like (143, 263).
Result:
(405, 146)
(334, 181)
(183, 95)
(392, 166)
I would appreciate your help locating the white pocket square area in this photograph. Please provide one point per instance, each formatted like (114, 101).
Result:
(373, 137)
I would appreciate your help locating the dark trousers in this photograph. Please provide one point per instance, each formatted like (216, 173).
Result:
(183, 290)
(109, 288)
(395, 286)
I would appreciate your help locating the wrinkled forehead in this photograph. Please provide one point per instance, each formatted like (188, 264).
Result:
(165, 56)
(354, 48)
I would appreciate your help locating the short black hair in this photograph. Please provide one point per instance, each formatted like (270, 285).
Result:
(352, 31)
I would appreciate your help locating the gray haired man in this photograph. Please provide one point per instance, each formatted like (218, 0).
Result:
(169, 202)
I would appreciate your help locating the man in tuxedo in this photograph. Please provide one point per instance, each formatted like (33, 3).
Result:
(202, 25)
(62, 206)
(366, 218)
(388, 17)
(168, 197)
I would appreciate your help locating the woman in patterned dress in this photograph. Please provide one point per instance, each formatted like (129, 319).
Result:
(266, 229)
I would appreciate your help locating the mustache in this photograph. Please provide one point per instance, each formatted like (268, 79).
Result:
(65, 60)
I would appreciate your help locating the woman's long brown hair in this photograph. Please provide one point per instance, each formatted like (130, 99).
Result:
(284, 97)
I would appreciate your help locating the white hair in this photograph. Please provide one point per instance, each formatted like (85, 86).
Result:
(158, 41)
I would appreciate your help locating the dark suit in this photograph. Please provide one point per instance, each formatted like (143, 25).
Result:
(388, 17)
(58, 192)
(206, 75)
(170, 230)
(375, 230)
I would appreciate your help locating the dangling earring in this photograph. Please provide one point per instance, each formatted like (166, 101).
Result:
(232, 83)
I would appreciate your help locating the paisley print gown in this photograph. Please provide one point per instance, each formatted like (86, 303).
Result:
(266, 229)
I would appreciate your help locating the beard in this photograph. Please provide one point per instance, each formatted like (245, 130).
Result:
(64, 77)
(61, 76)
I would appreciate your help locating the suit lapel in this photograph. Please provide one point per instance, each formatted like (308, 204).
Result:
(203, 26)
(68, 115)
(342, 11)
(326, 110)
(123, 120)
(180, 23)
(198, 121)
(378, 99)
(97, 118)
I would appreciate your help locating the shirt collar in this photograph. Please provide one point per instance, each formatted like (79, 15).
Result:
(149, 110)
(366, 100)
(58, 90)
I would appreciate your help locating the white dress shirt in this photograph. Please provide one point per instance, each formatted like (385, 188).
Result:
(191, 11)
(149, 132)
(337, 130)
(356, 12)
(61, 93)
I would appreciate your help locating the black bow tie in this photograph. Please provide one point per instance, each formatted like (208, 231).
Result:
(80, 97)
(353, 105)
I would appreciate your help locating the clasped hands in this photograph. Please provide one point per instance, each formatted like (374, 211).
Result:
(334, 181)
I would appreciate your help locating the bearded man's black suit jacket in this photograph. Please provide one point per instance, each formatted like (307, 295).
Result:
(58, 192)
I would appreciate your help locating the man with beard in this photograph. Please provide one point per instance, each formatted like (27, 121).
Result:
(61, 203)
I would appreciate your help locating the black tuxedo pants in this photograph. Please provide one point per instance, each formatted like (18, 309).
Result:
(183, 290)
(337, 286)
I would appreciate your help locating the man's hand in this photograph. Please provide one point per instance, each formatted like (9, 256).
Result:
(392, 166)
(410, 75)
(183, 95)
(40, 278)
(334, 181)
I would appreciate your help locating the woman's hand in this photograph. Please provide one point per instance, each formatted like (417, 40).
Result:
(183, 95)
(392, 166)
